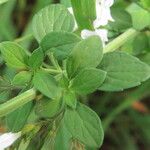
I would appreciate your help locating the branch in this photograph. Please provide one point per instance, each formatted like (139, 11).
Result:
(16, 102)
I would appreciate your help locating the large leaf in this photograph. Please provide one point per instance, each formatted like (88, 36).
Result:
(14, 55)
(17, 119)
(88, 80)
(85, 12)
(60, 43)
(84, 125)
(87, 53)
(123, 71)
(52, 18)
(46, 84)
(140, 16)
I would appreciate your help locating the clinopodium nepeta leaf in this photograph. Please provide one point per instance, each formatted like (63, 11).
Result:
(60, 43)
(52, 18)
(14, 55)
(123, 71)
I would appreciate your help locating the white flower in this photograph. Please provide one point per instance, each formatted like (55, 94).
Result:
(71, 11)
(103, 13)
(8, 139)
(102, 33)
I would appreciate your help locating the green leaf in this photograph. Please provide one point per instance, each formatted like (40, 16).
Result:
(141, 44)
(46, 108)
(52, 18)
(123, 71)
(88, 80)
(17, 119)
(22, 78)
(140, 16)
(14, 55)
(85, 12)
(84, 125)
(87, 53)
(46, 84)
(36, 59)
(122, 19)
(70, 99)
(60, 43)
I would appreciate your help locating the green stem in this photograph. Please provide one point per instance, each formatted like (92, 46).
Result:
(17, 102)
(120, 40)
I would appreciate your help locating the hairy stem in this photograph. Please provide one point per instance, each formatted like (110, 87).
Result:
(17, 102)
(120, 40)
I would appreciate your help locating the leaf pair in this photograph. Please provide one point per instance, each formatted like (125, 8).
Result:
(81, 66)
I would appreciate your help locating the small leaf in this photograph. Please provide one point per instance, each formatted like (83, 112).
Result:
(52, 18)
(88, 80)
(140, 16)
(84, 125)
(46, 108)
(46, 84)
(70, 99)
(17, 119)
(87, 53)
(14, 55)
(85, 12)
(22, 78)
(60, 43)
(123, 71)
(36, 59)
